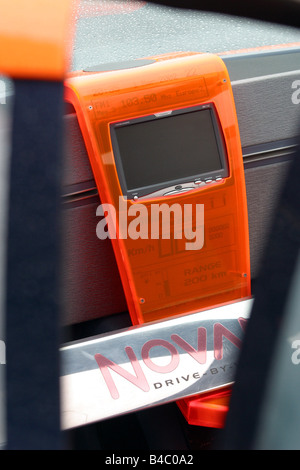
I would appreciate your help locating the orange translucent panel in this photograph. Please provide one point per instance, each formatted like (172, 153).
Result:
(35, 38)
(161, 278)
(209, 409)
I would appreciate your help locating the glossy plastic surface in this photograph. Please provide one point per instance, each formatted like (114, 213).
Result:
(209, 409)
(35, 38)
(160, 277)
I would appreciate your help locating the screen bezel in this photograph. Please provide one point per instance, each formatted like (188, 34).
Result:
(170, 186)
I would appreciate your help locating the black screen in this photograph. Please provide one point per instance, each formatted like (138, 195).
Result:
(168, 149)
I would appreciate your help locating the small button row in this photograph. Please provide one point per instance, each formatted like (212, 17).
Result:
(209, 180)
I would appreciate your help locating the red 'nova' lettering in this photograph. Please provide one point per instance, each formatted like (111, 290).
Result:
(139, 379)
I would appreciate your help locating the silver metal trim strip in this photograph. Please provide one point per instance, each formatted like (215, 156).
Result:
(151, 364)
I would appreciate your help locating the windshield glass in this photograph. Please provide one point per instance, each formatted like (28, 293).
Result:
(113, 30)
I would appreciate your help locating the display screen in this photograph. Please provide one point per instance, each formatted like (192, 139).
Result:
(156, 152)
